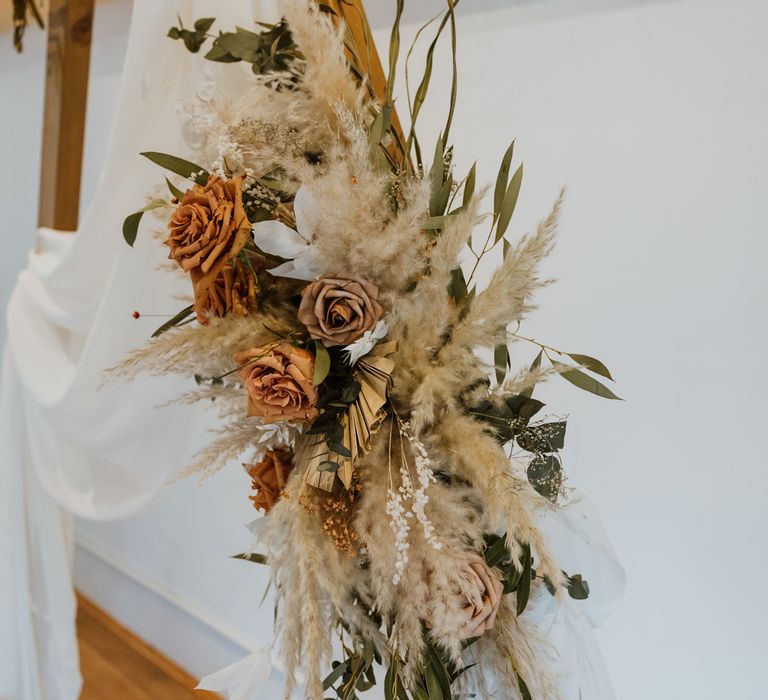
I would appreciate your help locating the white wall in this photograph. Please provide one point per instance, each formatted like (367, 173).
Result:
(654, 116)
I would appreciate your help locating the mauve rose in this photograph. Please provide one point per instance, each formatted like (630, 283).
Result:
(477, 598)
(269, 477)
(279, 383)
(338, 310)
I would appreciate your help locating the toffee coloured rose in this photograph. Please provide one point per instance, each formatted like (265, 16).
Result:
(207, 230)
(269, 477)
(339, 310)
(233, 293)
(278, 380)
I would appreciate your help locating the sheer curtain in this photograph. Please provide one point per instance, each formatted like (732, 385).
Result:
(67, 443)
(71, 445)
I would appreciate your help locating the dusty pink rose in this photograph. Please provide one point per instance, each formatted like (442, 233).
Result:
(338, 310)
(279, 383)
(471, 609)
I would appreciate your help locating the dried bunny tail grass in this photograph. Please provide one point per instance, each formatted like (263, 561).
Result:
(510, 501)
(507, 296)
(196, 349)
(430, 573)
(527, 378)
(229, 400)
(235, 439)
(511, 649)
(327, 78)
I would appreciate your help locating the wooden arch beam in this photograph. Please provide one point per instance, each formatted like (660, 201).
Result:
(66, 91)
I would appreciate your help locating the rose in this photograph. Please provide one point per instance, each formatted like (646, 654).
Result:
(471, 607)
(337, 310)
(208, 229)
(278, 380)
(233, 292)
(269, 477)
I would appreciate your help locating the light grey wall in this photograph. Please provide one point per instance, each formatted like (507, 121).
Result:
(653, 114)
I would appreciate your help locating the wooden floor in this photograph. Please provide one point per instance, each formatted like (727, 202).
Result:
(117, 665)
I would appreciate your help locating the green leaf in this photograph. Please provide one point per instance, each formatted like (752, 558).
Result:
(509, 203)
(592, 364)
(322, 364)
(440, 671)
(578, 588)
(524, 586)
(252, 557)
(543, 438)
(497, 552)
(338, 671)
(525, 694)
(501, 180)
(585, 382)
(501, 360)
(131, 227)
(545, 474)
(340, 449)
(437, 177)
(175, 191)
(132, 221)
(178, 318)
(436, 222)
(534, 366)
(177, 165)
(328, 466)
(457, 288)
(204, 23)
(469, 186)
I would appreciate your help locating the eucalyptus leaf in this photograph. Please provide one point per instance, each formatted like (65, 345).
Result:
(457, 288)
(437, 177)
(525, 694)
(322, 364)
(509, 203)
(585, 382)
(328, 466)
(545, 474)
(175, 191)
(502, 179)
(177, 165)
(252, 557)
(534, 366)
(469, 186)
(524, 586)
(592, 364)
(132, 221)
(177, 319)
(578, 588)
(501, 361)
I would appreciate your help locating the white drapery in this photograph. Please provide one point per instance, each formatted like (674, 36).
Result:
(70, 445)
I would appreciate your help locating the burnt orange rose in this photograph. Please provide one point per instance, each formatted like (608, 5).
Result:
(208, 229)
(470, 609)
(337, 310)
(279, 383)
(269, 477)
(234, 292)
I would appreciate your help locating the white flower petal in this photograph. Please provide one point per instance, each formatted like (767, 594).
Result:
(243, 680)
(363, 345)
(275, 238)
(306, 212)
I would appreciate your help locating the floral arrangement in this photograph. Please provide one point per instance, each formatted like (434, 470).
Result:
(338, 328)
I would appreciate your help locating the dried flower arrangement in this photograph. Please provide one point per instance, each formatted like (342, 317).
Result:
(334, 326)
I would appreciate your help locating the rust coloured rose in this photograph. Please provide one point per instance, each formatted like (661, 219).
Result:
(234, 292)
(207, 230)
(339, 310)
(279, 383)
(269, 477)
(471, 609)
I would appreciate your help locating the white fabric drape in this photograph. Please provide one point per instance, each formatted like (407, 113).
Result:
(69, 446)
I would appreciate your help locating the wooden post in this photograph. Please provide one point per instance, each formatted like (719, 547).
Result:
(66, 90)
